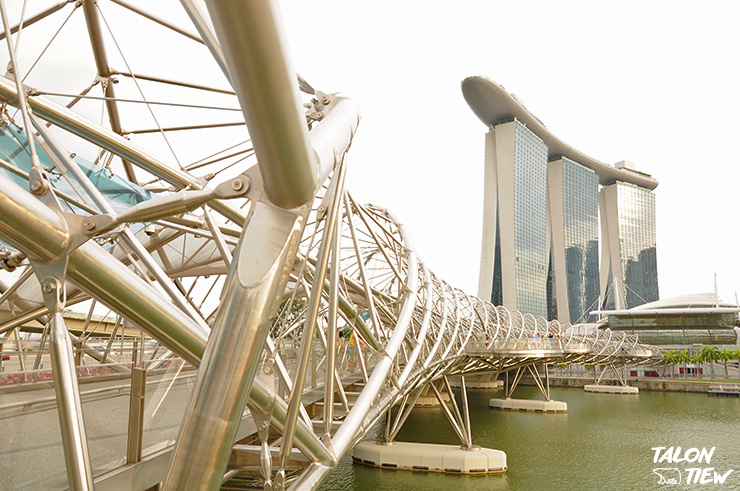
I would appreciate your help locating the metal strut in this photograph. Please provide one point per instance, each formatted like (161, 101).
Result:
(69, 406)
(543, 386)
(614, 369)
(460, 424)
(51, 275)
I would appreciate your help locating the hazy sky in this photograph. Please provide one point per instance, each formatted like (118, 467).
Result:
(655, 83)
(652, 82)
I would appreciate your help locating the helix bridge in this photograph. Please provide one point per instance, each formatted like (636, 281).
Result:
(181, 256)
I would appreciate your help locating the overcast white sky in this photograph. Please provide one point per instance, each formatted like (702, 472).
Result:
(654, 82)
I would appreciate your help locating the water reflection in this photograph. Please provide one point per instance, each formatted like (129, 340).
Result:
(604, 442)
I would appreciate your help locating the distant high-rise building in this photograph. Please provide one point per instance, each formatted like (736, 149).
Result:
(540, 221)
(628, 250)
(514, 249)
(573, 200)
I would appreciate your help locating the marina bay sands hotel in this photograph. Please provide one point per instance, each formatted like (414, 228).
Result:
(542, 203)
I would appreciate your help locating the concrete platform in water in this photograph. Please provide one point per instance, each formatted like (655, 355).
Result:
(533, 405)
(473, 383)
(430, 400)
(429, 457)
(724, 390)
(612, 389)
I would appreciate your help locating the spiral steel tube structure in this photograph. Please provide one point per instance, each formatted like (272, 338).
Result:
(295, 301)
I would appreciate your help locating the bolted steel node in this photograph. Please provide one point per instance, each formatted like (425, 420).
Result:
(240, 185)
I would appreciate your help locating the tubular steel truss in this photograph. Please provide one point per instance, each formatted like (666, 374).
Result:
(295, 301)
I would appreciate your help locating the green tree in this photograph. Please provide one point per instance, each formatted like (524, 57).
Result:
(725, 356)
(683, 357)
(696, 359)
(735, 355)
(710, 354)
(716, 356)
(295, 314)
(670, 358)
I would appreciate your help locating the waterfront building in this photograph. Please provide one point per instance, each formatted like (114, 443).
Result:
(560, 280)
(682, 322)
(515, 205)
(628, 246)
(573, 200)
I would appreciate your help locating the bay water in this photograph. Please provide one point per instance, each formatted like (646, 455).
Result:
(603, 442)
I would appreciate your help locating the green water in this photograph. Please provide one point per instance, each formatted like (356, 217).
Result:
(603, 443)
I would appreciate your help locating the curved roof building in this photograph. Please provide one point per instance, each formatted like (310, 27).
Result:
(699, 318)
(690, 301)
(493, 105)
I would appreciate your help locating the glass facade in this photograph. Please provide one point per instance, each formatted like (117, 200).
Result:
(673, 321)
(636, 224)
(685, 337)
(528, 277)
(581, 231)
(552, 290)
(497, 292)
(530, 219)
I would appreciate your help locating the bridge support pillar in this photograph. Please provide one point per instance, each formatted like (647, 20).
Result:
(430, 457)
(460, 420)
(454, 459)
(621, 388)
(545, 406)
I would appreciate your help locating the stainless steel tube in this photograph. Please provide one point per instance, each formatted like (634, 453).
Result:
(114, 143)
(94, 271)
(31, 226)
(347, 434)
(92, 20)
(255, 283)
(74, 440)
(256, 53)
